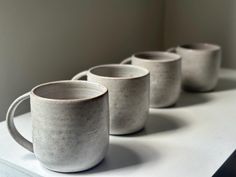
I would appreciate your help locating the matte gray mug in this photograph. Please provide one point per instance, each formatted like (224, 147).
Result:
(70, 121)
(165, 74)
(200, 65)
(128, 88)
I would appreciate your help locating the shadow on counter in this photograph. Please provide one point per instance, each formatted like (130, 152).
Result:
(120, 157)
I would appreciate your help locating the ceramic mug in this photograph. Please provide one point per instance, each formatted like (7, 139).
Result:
(70, 124)
(128, 88)
(200, 65)
(165, 74)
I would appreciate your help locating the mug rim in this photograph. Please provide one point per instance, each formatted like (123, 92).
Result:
(118, 65)
(103, 91)
(175, 57)
(199, 46)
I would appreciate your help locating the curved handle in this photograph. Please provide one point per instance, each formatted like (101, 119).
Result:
(80, 75)
(11, 126)
(126, 61)
(172, 50)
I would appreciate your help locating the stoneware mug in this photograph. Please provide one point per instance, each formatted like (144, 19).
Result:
(70, 124)
(200, 65)
(165, 74)
(128, 88)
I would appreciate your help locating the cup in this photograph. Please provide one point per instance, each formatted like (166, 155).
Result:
(70, 124)
(165, 74)
(200, 65)
(128, 88)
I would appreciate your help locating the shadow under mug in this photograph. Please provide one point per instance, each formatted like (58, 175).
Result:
(165, 76)
(70, 124)
(128, 88)
(200, 65)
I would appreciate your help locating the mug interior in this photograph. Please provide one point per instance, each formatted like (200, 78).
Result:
(119, 71)
(200, 46)
(157, 56)
(69, 90)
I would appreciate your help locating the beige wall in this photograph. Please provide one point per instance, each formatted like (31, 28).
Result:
(45, 40)
(202, 20)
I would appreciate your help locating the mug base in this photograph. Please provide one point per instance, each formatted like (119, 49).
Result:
(76, 170)
(163, 107)
(127, 133)
(198, 91)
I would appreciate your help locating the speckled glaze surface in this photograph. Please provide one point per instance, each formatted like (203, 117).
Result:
(128, 88)
(165, 73)
(70, 122)
(200, 66)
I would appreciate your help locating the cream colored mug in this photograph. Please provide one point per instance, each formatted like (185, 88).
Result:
(128, 88)
(200, 65)
(165, 76)
(70, 124)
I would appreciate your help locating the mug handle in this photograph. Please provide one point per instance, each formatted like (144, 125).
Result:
(11, 125)
(126, 61)
(80, 75)
(172, 50)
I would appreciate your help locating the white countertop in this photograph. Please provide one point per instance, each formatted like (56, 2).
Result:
(192, 139)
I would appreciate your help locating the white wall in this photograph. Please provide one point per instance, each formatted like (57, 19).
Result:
(45, 40)
(202, 20)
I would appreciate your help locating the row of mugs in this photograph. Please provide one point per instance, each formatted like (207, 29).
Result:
(72, 119)
(194, 66)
